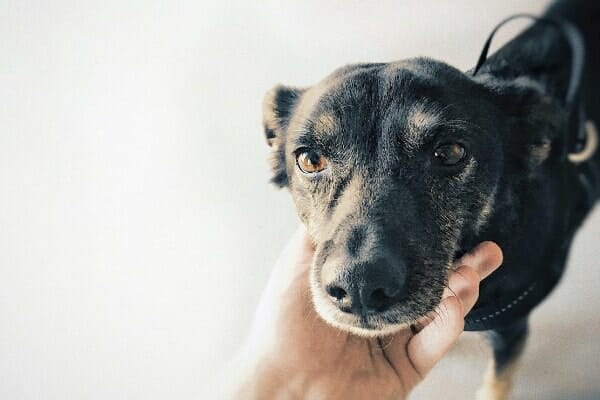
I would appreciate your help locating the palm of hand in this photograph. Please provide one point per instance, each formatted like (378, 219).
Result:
(301, 356)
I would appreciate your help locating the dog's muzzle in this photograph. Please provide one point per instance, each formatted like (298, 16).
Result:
(364, 288)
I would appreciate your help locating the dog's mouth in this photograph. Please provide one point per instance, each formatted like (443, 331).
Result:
(410, 312)
(369, 325)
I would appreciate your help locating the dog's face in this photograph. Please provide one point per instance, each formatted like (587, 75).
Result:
(390, 167)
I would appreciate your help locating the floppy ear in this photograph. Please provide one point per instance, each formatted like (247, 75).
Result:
(278, 107)
(530, 77)
(536, 122)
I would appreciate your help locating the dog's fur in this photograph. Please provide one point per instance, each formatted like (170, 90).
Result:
(383, 196)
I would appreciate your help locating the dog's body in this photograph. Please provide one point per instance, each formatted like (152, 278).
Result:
(397, 168)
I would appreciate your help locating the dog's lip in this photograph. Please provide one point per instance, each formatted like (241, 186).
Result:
(365, 326)
(370, 324)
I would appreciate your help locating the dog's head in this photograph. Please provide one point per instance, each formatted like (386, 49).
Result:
(390, 167)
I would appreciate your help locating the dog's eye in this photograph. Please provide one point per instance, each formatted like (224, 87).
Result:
(450, 154)
(310, 162)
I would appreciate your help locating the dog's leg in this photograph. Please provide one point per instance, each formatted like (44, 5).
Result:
(507, 345)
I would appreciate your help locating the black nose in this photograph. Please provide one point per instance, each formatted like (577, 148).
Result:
(365, 288)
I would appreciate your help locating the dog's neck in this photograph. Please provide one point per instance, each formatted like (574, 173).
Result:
(549, 207)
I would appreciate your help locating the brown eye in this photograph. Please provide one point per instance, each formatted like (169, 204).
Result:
(310, 162)
(450, 154)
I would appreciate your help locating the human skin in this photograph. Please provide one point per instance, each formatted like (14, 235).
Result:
(291, 353)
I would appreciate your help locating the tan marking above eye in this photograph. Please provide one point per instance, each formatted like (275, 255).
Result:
(325, 124)
(311, 162)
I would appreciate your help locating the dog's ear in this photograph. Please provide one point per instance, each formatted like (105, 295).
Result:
(535, 121)
(530, 77)
(278, 107)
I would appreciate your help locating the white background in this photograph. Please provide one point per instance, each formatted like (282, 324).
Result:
(137, 227)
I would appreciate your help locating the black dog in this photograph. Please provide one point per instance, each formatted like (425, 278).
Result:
(398, 168)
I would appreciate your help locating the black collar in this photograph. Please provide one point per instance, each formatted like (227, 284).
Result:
(517, 304)
(511, 307)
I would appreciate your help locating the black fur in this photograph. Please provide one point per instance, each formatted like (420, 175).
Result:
(542, 54)
(414, 213)
(507, 342)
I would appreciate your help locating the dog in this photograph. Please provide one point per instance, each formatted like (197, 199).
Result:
(398, 168)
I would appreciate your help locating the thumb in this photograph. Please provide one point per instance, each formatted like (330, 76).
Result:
(427, 347)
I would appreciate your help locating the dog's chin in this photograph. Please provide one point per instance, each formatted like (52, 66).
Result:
(370, 326)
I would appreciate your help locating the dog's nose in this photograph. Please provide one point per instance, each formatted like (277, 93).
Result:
(367, 288)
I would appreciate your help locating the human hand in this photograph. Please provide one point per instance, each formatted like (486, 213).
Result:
(293, 353)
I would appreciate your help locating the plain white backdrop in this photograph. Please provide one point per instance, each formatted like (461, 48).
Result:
(137, 227)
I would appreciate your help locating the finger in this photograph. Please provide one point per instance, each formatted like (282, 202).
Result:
(483, 258)
(477, 264)
(427, 347)
(464, 284)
